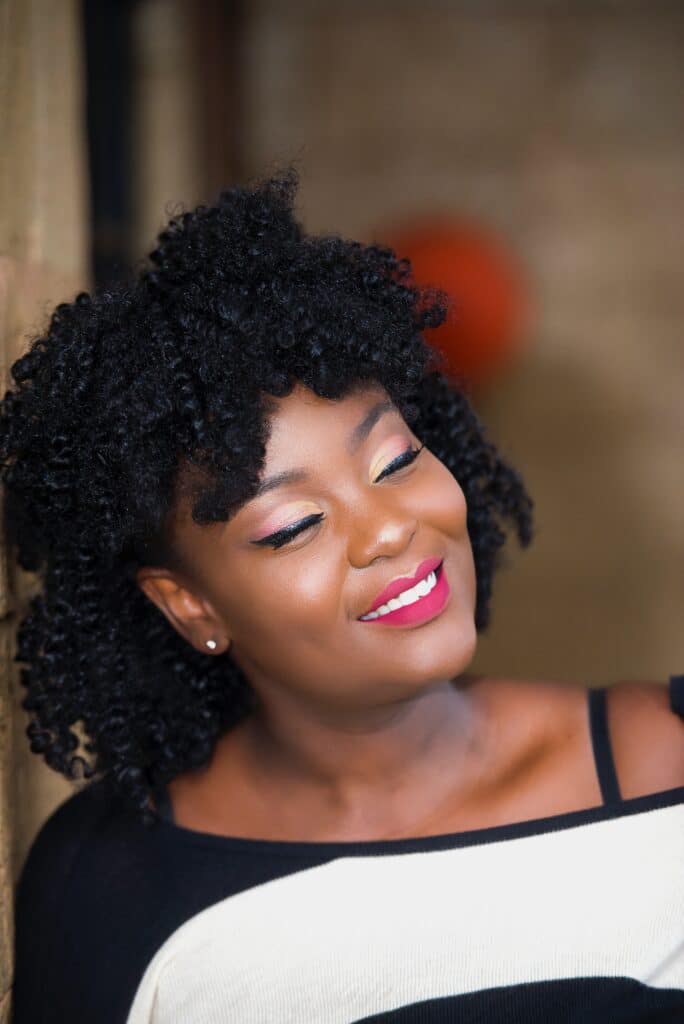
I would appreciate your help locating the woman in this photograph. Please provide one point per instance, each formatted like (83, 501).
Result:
(267, 529)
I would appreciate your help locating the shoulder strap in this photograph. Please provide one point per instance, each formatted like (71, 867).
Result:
(677, 694)
(600, 741)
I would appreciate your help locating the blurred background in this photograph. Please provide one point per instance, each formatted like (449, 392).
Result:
(528, 153)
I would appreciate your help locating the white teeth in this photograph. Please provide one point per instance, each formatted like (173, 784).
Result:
(406, 597)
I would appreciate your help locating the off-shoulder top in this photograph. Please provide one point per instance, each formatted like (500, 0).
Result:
(574, 917)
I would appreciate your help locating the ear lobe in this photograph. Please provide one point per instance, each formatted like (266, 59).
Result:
(189, 615)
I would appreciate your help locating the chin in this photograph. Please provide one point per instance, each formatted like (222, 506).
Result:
(463, 650)
(445, 654)
(470, 648)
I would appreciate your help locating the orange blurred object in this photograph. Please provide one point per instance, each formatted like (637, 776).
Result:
(488, 308)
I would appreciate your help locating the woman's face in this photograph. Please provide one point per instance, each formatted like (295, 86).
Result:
(290, 600)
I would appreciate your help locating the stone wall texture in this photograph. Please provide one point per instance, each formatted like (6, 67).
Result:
(561, 126)
(42, 261)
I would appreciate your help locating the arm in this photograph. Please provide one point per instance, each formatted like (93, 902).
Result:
(647, 737)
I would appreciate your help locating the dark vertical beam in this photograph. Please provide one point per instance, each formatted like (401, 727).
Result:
(218, 30)
(107, 34)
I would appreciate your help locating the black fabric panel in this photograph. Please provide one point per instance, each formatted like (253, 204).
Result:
(571, 1001)
(98, 895)
(600, 741)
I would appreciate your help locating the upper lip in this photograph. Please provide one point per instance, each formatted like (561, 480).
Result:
(401, 583)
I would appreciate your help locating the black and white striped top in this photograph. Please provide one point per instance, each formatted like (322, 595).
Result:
(575, 917)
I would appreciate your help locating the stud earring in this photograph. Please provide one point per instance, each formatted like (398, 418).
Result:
(211, 644)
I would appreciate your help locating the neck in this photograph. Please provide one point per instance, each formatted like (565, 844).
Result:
(373, 752)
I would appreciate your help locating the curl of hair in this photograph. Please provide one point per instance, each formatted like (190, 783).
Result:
(128, 385)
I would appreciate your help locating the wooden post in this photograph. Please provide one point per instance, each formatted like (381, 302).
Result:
(43, 224)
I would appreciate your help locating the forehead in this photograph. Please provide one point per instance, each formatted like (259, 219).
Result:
(304, 419)
(304, 431)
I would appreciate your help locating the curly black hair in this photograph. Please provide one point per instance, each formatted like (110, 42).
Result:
(130, 385)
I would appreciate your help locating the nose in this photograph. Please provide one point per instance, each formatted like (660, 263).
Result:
(379, 533)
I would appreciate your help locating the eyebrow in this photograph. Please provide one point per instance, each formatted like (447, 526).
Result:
(354, 442)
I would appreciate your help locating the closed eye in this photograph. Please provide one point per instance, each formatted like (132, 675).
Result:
(405, 459)
(280, 537)
(288, 533)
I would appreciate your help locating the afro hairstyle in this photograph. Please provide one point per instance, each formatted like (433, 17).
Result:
(174, 368)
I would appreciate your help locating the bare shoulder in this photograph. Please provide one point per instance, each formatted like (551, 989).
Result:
(553, 707)
(647, 738)
(538, 715)
(542, 729)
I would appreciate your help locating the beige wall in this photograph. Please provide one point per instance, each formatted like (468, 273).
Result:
(42, 261)
(561, 126)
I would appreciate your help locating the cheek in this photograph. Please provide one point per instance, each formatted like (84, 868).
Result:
(297, 592)
(443, 502)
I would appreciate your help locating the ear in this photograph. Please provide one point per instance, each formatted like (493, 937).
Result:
(191, 616)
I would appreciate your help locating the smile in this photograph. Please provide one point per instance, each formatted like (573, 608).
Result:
(418, 603)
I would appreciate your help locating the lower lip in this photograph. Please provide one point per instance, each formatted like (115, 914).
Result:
(422, 610)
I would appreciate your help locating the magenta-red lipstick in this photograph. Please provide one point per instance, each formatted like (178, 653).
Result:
(426, 604)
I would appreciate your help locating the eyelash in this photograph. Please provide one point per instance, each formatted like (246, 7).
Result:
(409, 456)
(288, 533)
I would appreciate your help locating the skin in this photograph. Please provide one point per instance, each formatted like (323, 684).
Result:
(365, 730)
